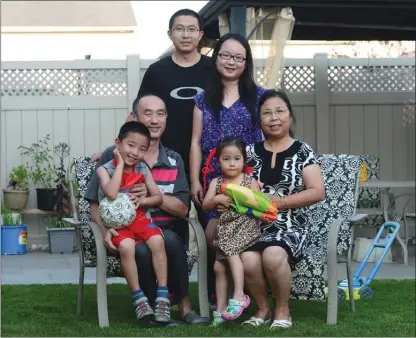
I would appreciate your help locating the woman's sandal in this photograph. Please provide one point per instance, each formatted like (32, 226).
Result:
(235, 308)
(281, 324)
(254, 321)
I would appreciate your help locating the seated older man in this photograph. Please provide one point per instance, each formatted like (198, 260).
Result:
(168, 171)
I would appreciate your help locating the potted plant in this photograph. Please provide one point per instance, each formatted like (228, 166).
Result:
(42, 172)
(61, 236)
(16, 194)
(13, 233)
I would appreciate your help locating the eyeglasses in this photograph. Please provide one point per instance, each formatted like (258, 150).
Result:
(181, 30)
(236, 58)
(278, 113)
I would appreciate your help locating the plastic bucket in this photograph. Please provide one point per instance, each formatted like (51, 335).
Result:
(13, 239)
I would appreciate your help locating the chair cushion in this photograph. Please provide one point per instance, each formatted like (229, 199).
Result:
(340, 179)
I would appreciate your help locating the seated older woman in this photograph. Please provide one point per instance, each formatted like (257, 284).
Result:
(289, 173)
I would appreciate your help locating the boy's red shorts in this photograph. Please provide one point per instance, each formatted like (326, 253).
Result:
(139, 231)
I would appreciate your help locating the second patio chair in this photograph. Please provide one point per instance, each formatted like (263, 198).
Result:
(329, 233)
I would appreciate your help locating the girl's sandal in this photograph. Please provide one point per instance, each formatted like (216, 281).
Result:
(216, 319)
(235, 308)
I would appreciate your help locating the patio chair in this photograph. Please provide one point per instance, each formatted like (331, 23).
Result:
(369, 198)
(92, 253)
(406, 216)
(369, 201)
(330, 233)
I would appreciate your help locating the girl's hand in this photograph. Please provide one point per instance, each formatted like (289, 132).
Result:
(264, 219)
(223, 202)
(197, 193)
(118, 157)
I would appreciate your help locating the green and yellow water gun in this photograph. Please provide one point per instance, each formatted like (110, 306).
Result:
(250, 202)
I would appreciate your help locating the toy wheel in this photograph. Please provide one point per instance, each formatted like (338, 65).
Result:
(341, 294)
(366, 292)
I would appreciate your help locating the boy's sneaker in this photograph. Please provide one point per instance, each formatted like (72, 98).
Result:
(142, 308)
(162, 310)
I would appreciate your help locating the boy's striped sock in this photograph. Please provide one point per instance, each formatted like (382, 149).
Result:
(162, 292)
(136, 295)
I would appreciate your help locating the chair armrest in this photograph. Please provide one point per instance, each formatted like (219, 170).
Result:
(99, 243)
(332, 271)
(202, 266)
(73, 222)
(199, 232)
(397, 197)
(357, 218)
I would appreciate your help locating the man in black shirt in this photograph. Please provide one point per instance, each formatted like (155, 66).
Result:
(178, 78)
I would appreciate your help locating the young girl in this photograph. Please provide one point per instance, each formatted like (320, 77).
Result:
(236, 232)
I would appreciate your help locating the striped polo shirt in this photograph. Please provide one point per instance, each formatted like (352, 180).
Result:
(169, 175)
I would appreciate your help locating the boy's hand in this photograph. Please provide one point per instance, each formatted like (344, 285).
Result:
(223, 202)
(135, 200)
(118, 157)
(108, 243)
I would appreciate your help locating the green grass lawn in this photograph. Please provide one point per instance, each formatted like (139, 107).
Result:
(50, 310)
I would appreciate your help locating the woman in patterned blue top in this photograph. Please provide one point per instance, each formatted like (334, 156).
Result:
(228, 107)
(290, 175)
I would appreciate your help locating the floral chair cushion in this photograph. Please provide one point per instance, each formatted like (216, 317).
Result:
(369, 198)
(340, 179)
(84, 168)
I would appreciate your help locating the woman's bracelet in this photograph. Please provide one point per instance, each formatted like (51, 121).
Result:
(283, 201)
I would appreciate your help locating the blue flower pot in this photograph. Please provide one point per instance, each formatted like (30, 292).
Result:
(13, 239)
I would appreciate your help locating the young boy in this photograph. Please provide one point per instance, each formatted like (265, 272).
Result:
(118, 176)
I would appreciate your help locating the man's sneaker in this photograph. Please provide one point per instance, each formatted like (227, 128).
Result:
(162, 310)
(142, 308)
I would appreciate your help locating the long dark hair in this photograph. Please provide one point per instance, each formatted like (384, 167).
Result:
(214, 92)
(283, 96)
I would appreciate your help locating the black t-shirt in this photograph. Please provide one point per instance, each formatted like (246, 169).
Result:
(177, 86)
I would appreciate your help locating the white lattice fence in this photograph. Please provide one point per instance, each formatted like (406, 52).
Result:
(296, 79)
(371, 78)
(64, 82)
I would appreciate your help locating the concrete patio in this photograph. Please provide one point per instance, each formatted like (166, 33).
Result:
(46, 268)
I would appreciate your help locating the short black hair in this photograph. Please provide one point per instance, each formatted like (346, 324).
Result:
(186, 12)
(133, 127)
(142, 96)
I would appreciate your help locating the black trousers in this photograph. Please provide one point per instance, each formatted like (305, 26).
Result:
(178, 279)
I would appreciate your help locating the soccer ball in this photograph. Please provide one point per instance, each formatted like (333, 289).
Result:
(117, 213)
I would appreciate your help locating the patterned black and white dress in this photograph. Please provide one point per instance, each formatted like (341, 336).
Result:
(285, 177)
